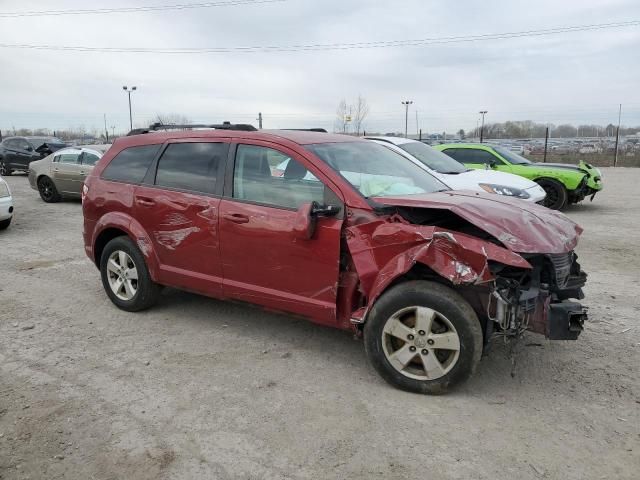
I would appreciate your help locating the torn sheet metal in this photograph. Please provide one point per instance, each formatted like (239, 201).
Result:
(382, 250)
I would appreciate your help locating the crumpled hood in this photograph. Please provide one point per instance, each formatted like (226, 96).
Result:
(522, 227)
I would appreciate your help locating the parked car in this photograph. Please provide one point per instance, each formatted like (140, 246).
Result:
(62, 173)
(590, 148)
(6, 205)
(563, 183)
(373, 244)
(458, 177)
(17, 152)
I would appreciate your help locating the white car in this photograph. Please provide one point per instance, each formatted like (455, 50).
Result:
(458, 177)
(6, 205)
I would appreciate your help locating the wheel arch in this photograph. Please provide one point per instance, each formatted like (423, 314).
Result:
(117, 224)
(568, 184)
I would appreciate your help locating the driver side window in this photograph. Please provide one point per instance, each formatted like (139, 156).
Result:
(267, 176)
(24, 145)
(472, 155)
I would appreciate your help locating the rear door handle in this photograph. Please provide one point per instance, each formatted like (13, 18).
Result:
(145, 202)
(236, 217)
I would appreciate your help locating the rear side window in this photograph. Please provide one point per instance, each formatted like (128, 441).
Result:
(68, 157)
(191, 166)
(131, 164)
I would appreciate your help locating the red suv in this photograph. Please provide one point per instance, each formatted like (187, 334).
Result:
(349, 235)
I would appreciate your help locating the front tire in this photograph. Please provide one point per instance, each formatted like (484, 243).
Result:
(423, 337)
(4, 224)
(48, 191)
(125, 276)
(557, 194)
(5, 171)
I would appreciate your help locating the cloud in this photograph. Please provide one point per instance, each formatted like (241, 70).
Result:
(578, 77)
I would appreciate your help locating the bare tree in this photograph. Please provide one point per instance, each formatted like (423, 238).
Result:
(360, 113)
(171, 119)
(341, 117)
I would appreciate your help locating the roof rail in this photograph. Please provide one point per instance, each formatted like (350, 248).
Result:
(321, 130)
(245, 127)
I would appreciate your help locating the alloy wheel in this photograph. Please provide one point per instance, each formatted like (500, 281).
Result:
(122, 274)
(3, 169)
(46, 188)
(420, 343)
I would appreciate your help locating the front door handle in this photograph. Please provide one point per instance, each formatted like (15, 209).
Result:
(236, 217)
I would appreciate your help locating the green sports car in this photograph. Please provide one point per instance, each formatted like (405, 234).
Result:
(564, 183)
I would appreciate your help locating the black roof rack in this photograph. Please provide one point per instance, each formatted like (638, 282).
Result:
(245, 127)
(321, 130)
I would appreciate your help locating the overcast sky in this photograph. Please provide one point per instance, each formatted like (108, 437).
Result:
(570, 77)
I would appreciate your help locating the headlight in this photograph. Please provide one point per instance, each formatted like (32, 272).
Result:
(504, 190)
(4, 190)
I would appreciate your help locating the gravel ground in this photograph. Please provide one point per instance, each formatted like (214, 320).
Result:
(197, 388)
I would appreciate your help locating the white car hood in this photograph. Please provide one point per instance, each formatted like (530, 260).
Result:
(470, 180)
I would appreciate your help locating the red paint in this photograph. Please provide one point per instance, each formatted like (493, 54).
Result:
(226, 248)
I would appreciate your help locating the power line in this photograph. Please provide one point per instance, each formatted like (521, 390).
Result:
(330, 46)
(148, 8)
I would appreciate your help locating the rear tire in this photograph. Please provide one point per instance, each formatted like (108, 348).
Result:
(557, 194)
(5, 171)
(4, 224)
(125, 276)
(48, 191)
(423, 337)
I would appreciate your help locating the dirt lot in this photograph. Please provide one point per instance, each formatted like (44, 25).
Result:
(197, 388)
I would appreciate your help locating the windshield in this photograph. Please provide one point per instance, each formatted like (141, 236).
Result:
(375, 170)
(511, 156)
(432, 158)
(37, 141)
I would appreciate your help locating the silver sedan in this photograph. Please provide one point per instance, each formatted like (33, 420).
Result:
(62, 173)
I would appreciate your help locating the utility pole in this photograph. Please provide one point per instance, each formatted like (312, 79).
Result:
(483, 113)
(260, 120)
(546, 141)
(106, 132)
(406, 104)
(113, 132)
(129, 90)
(615, 156)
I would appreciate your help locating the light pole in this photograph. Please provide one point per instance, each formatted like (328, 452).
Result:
(129, 90)
(406, 104)
(483, 113)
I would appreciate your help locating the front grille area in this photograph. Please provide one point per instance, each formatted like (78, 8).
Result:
(562, 267)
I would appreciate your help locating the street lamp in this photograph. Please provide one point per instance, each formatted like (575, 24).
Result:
(406, 104)
(129, 90)
(483, 113)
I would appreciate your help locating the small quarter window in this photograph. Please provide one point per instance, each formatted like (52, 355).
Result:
(131, 164)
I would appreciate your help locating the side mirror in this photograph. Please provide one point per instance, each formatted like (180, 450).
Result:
(306, 219)
(29, 148)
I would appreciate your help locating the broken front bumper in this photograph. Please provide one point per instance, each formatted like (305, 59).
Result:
(538, 311)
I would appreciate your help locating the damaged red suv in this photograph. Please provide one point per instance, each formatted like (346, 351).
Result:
(349, 235)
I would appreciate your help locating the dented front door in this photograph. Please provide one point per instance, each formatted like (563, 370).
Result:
(263, 262)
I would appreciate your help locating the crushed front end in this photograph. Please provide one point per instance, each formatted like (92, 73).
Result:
(538, 299)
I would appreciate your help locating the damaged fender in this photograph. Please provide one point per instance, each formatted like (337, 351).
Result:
(386, 249)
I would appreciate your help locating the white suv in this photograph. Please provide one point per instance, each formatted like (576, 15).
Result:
(6, 205)
(458, 177)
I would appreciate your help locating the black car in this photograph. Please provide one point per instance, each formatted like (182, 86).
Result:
(17, 152)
